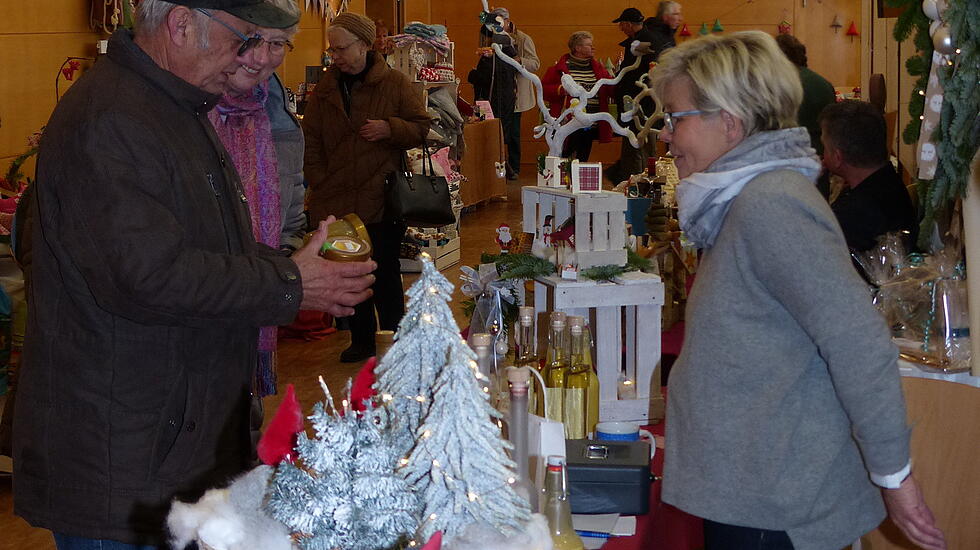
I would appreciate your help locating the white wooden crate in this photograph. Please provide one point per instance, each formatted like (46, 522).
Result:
(600, 221)
(640, 296)
(444, 256)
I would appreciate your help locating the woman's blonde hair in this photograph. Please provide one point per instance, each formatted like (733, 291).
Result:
(744, 73)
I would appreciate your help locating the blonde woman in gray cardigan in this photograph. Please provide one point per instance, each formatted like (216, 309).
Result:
(786, 422)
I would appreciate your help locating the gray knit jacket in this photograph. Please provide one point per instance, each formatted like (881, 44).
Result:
(787, 391)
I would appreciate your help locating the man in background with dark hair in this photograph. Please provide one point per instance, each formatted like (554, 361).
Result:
(874, 201)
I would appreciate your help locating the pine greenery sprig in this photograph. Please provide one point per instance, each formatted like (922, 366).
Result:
(634, 262)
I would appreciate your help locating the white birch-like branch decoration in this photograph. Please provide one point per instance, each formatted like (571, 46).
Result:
(556, 130)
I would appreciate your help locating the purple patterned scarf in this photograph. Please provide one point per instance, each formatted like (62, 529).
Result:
(243, 126)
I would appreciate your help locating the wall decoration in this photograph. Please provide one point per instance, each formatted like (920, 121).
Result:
(836, 24)
(704, 30)
(852, 31)
(685, 31)
(717, 26)
(784, 27)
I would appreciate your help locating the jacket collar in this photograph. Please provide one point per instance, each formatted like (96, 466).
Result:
(126, 53)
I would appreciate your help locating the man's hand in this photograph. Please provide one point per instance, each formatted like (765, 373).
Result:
(333, 287)
(376, 130)
(909, 512)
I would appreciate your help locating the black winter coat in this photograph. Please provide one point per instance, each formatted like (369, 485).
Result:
(147, 291)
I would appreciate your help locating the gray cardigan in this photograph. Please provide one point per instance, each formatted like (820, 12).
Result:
(287, 135)
(787, 391)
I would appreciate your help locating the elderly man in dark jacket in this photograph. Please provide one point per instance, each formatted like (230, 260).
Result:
(630, 22)
(147, 286)
(663, 26)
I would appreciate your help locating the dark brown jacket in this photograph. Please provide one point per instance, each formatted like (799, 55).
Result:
(346, 172)
(147, 288)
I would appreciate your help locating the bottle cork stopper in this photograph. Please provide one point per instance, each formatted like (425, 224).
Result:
(556, 460)
(526, 315)
(480, 339)
(518, 376)
(576, 322)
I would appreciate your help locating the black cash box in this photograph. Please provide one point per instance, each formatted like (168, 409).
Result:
(608, 477)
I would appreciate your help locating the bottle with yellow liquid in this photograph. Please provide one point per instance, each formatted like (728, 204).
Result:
(557, 509)
(592, 394)
(556, 368)
(582, 391)
(525, 352)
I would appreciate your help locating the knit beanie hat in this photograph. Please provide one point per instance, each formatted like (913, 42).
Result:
(356, 24)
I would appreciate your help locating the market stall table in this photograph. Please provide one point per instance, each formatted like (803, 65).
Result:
(484, 147)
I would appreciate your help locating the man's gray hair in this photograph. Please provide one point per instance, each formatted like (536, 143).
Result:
(576, 38)
(662, 7)
(151, 14)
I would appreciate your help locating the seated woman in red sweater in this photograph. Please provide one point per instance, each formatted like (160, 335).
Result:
(586, 71)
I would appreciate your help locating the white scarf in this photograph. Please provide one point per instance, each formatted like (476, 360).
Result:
(703, 198)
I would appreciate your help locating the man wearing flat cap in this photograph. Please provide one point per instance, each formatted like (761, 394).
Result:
(147, 285)
(630, 22)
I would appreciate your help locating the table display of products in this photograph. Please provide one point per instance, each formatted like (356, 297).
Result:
(923, 299)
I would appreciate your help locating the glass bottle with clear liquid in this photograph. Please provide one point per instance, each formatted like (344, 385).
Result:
(557, 509)
(525, 353)
(556, 368)
(481, 346)
(519, 379)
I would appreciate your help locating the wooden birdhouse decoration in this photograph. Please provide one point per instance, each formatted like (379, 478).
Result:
(784, 27)
(836, 24)
(717, 27)
(704, 30)
(852, 31)
(685, 31)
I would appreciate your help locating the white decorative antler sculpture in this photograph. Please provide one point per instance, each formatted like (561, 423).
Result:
(556, 129)
(575, 117)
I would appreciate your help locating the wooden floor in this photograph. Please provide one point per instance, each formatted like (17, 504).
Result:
(302, 362)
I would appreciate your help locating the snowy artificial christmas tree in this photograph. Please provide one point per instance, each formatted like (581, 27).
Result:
(425, 335)
(458, 465)
(345, 492)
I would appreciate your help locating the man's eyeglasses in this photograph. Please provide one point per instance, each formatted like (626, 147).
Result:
(670, 118)
(248, 42)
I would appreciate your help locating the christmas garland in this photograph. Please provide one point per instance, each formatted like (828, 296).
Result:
(958, 135)
(914, 19)
(634, 262)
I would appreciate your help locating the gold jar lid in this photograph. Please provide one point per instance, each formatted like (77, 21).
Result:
(343, 248)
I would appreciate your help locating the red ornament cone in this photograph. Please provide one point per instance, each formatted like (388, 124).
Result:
(279, 439)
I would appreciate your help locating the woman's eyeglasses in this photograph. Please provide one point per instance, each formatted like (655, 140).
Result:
(248, 42)
(670, 118)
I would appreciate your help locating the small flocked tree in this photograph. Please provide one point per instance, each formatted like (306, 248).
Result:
(344, 491)
(426, 333)
(459, 466)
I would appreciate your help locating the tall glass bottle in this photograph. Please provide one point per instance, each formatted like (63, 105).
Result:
(557, 508)
(556, 368)
(481, 345)
(581, 382)
(519, 379)
(525, 353)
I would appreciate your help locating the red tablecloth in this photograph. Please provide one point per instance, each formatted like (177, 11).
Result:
(664, 527)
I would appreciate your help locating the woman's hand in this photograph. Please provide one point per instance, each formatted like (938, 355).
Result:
(908, 510)
(376, 130)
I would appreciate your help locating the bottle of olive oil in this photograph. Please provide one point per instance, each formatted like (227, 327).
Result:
(556, 368)
(580, 378)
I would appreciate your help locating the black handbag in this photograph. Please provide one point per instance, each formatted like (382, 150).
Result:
(419, 200)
